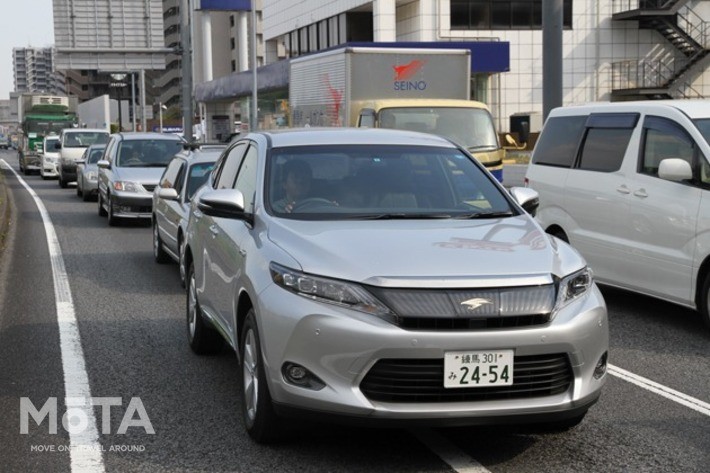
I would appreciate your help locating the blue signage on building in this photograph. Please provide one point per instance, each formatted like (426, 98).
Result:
(224, 5)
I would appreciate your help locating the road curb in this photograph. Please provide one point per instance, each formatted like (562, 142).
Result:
(5, 213)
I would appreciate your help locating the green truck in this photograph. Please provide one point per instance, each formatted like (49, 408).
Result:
(40, 116)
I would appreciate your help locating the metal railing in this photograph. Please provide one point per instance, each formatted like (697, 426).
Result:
(638, 74)
(695, 27)
(619, 6)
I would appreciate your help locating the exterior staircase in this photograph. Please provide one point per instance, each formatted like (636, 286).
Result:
(658, 79)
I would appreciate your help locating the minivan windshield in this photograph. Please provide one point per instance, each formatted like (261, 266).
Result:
(84, 139)
(381, 182)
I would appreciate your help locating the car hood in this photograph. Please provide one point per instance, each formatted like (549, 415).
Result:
(426, 252)
(142, 175)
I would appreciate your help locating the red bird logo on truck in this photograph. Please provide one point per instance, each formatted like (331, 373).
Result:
(406, 71)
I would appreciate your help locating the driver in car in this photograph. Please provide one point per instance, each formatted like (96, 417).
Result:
(296, 185)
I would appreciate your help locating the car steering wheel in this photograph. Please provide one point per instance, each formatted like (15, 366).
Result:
(311, 203)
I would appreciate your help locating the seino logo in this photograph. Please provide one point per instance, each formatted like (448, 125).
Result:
(404, 73)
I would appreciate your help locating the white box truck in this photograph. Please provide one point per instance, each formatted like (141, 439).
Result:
(425, 90)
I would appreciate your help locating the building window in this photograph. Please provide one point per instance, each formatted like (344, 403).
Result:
(232, 43)
(231, 20)
(234, 65)
(502, 14)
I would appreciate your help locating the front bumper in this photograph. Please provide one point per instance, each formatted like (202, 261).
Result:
(132, 204)
(340, 347)
(49, 169)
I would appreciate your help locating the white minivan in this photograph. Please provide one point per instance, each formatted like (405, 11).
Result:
(72, 144)
(628, 185)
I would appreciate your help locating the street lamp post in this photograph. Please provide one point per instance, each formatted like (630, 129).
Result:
(161, 107)
(118, 84)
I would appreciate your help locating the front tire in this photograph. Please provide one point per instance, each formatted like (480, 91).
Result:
(112, 219)
(202, 338)
(102, 211)
(261, 422)
(161, 257)
(704, 302)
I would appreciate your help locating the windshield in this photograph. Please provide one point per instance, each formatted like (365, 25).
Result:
(471, 128)
(84, 139)
(199, 173)
(147, 152)
(369, 182)
(45, 127)
(49, 145)
(95, 155)
(704, 127)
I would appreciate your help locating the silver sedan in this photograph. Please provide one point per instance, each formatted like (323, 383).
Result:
(171, 200)
(87, 172)
(385, 276)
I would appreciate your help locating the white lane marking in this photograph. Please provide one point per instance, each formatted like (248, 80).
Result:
(661, 390)
(455, 458)
(85, 450)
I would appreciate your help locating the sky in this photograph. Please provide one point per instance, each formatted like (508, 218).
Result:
(22, 23)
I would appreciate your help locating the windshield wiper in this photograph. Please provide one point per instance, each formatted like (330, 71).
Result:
(494, 214)
(481, 147)
(398, 216)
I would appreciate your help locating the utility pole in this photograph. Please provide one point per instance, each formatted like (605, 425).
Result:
(552, 19)
(186, 58)
(254, 109)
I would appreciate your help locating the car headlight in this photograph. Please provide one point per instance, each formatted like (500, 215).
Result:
(330, 291)
(92, 175)
(127, 186)
(573, 286)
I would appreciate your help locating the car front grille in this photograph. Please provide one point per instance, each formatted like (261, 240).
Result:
(469, 309)
(149, 187)
(422, 380)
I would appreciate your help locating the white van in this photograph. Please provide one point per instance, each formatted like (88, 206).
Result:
(72, 144)
(628, 185)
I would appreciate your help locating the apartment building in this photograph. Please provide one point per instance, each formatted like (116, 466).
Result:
(34, 71)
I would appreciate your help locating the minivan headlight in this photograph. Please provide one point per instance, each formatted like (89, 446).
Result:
(330, 291)
(573, 286)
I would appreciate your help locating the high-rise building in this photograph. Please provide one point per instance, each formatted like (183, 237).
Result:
(34, 71)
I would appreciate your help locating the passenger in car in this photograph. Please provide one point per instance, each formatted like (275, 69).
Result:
(297, 177)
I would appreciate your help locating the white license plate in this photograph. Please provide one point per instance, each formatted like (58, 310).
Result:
(475, 369)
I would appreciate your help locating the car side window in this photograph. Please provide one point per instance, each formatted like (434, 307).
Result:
(662, 139)
(230, 166)
(559, 141)
(606, 140)
(170, 175)
(180, 179)
(246, 179)
(109, 149)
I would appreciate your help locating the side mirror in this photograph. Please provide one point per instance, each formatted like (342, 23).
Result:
(675, 169)
(527, 198)
(225, 203)
(367, 118)
(57, 145)
(80, 161)
(103, 164)
(167, 193)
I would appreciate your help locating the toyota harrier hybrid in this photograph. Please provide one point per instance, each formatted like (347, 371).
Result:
(385, 276)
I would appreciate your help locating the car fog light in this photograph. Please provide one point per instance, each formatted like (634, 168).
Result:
(124, 209)
(600, 369)
(298, 375)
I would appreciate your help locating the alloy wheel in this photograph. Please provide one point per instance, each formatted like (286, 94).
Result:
(251, 379)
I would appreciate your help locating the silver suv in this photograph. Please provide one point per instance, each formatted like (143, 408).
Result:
(386, 276)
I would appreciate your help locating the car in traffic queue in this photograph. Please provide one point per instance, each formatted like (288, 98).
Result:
(129, 172)
(50, 157)
(72, 144)
(383, 276)
(186, 173)
(87, 172)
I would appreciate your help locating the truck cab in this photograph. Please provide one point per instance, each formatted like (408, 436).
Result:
(467, 123)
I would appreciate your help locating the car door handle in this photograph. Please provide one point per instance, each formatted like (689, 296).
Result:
(214, 230)
(622, 189)
(242, 252)
(641, 193)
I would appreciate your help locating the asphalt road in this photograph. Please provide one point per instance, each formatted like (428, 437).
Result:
(130, 316)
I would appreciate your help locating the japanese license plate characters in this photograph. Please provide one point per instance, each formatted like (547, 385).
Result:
(472, 369)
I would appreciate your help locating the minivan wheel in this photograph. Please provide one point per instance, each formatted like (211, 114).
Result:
(705, 302)
(161, 257)
(202, 338)
(260, 420)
